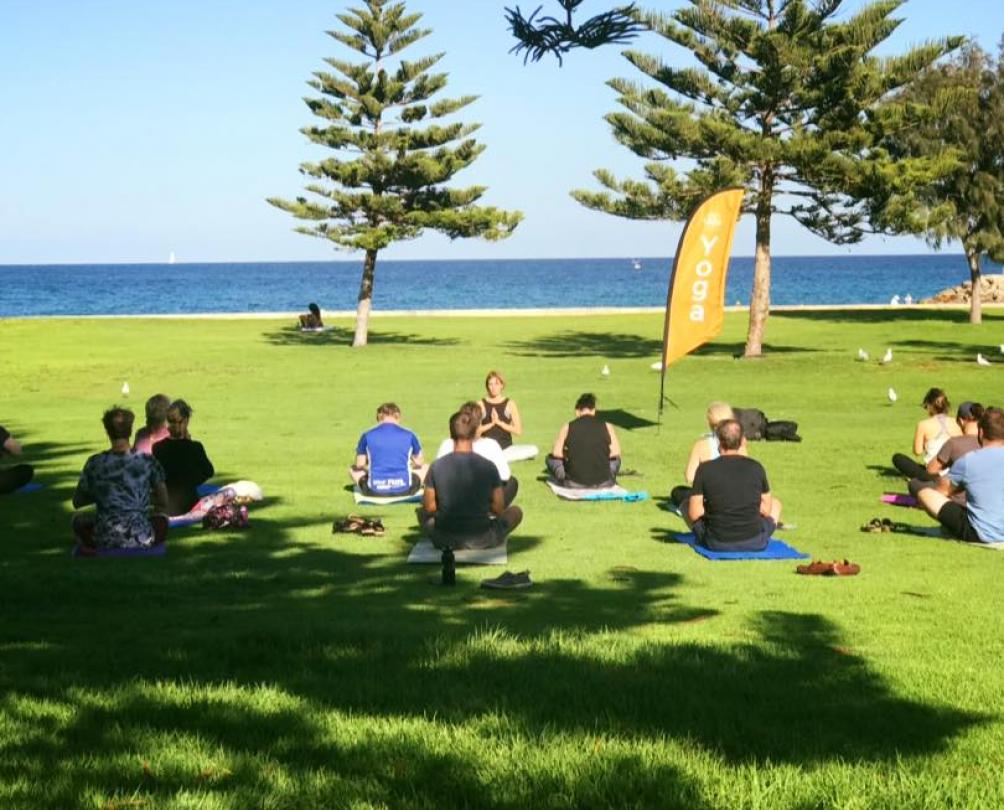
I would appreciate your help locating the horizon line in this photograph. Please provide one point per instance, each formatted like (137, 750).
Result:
(626, 258)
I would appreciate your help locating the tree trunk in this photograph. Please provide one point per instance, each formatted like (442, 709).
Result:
(365, 302)
(760, 297)
(976, 300)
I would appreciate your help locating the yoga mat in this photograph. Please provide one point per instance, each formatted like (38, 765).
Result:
(158, 550)
(776, 550)
(385, 500)
(520, 452)
(898, 499)
(424, 553)
(180, 521)
(31, 486)
(202, 490)
(614, 493)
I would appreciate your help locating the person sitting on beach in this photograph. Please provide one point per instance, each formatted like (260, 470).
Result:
(184, 460)
(486, 448)
(388, 457)
(968, 419)
(704, 449)
(311, 321)
(12, 478)
(586, 452)
(156, 424)
(731, 508)
(124, 486)
(500, 416)
(463, 505)
(930, 434)
(980, 474)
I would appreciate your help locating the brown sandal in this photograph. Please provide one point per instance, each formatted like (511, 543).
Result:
(815, 568)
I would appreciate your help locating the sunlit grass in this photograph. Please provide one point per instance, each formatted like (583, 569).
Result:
(289, 667)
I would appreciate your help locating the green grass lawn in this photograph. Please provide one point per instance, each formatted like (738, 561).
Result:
(286, 667)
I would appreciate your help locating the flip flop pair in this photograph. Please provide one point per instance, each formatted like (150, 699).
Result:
(356, 524)
(832, 568)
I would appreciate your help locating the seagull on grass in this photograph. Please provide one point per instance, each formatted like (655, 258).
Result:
(125, 389)
(656, 366)
(887, 357)
(605, 371)
(893, 396)
(982, 361)
(862, 355)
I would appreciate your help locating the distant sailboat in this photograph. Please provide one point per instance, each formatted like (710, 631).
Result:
(636, 264)
(171, 259)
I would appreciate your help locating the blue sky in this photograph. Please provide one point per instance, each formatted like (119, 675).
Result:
(133, 129)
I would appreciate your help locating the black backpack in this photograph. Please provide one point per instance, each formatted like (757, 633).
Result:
(754, 422)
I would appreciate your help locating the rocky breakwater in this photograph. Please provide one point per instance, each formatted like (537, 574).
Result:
(991, 292)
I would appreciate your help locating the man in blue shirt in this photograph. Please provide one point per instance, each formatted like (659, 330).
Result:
(980, 474)
(388, 457)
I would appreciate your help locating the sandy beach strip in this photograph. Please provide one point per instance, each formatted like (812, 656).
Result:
(548, 312)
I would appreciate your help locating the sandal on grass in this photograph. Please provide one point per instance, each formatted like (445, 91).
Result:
(844, 569)
(875, 526)
(353, 524)
(815, 568)
(372, 528)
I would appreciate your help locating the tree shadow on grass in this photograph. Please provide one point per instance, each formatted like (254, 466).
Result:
(619, 345)
(879, 316)
(342, 336)
(328, 668)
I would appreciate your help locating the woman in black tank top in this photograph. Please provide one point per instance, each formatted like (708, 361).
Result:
(501, 416)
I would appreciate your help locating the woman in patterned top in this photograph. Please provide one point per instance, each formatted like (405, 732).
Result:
(123, 485)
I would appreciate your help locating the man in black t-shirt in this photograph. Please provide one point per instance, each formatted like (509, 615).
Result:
(731, 508)
(12, 478)
(463, 505)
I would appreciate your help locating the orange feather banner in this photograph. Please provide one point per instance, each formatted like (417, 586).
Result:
(695, 302)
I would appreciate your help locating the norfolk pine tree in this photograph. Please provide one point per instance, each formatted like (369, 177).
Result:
(959, 106)
(389, 186)
(781, 104)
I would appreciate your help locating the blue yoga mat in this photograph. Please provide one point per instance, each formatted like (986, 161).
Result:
(31, 486)
(158, 550)
(776, 550)
(202, 490)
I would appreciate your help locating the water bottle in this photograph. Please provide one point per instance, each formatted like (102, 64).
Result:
(449, 567)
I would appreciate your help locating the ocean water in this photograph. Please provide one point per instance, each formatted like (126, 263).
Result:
(116, 289)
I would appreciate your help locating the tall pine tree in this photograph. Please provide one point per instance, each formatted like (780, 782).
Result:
(959, 106)
(398, 156)
(781, 104)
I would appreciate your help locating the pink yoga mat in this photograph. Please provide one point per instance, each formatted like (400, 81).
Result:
(898, 499)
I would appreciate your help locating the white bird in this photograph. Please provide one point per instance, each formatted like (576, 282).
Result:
(125, 389)
(887, 357)
(894, 300)
(605, 371)
(656, 366)
(892, 395)
(908, 299)
(982, 361)
(862, 354)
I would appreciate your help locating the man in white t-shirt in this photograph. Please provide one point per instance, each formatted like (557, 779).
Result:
(486, 448)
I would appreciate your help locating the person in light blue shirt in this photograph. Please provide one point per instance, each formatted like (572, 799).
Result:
(388, 457)
(980, 474)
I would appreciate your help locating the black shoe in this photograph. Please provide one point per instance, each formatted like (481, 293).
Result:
(509, 581)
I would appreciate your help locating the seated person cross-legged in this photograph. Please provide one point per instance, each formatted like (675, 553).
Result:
(968, 419)
(124, 485)
(12, 478)
(980, 474)
(731, 508)
(463, 505)
(311, 321)
(586, 452)
(704, 449)
(388, 457)
(486, 448)
(155, 429)
(184, 460)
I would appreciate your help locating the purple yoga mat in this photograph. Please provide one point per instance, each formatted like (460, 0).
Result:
(158, 550)
(898, 499)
